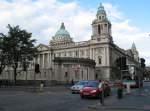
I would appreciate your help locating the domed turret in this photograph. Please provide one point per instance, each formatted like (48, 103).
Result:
(62, 36)
(62, 32)
(101, 13)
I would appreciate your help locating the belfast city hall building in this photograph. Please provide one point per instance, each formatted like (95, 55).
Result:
(64, 60)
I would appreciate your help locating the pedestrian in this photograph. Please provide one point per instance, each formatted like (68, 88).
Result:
(101, 96)
(72, 82)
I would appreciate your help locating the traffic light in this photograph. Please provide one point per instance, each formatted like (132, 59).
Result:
(37, 68)
(142, 62)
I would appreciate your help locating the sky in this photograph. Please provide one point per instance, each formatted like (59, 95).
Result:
(129, 18)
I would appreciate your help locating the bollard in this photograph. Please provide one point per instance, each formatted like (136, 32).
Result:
(41, 87)
(128, 88)
(120, 91)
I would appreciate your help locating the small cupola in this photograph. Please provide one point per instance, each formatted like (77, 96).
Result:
(101, 13)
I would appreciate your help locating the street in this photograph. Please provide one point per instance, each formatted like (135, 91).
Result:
(52, 100)
(61, 99)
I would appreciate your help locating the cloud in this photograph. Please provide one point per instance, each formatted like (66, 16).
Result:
(43, 19)
(113, 12)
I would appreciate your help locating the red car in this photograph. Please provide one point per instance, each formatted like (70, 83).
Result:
(94, 89)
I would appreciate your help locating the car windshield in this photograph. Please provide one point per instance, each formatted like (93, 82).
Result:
(93, 84)
(81, 83)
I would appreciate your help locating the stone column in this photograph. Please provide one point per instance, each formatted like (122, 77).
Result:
(108, 56)
(43, 60)
(90, 53)
(48, 54)
(38, 59)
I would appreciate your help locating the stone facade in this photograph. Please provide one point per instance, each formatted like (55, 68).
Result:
(99, 48)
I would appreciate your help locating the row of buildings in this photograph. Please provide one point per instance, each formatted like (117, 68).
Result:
(64, 60)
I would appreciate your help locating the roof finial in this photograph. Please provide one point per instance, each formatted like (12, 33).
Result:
(101, 9)
(100, 5)
(62, 26)
(133, 46)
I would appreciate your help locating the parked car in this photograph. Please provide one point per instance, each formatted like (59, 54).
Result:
(78, 86)
(94, 89)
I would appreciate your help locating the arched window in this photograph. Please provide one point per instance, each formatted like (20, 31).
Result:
(99, 17)
(99, 29)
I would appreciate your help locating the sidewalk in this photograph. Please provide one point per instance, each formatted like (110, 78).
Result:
(129, 102)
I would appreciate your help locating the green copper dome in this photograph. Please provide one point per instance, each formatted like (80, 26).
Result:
(62, 32)
(61, 37)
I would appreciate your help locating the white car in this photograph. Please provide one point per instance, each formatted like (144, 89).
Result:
(78, 86)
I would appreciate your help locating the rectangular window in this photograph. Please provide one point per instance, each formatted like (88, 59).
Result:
(98, 39)
(70, 54)
(65, 54)
(76, 53)
(66, 65)
(82, 53)
(59, 54)
(66, 74)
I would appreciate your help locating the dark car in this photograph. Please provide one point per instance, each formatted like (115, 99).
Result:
(94, 89)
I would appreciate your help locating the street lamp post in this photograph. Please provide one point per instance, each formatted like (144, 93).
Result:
(52, 66)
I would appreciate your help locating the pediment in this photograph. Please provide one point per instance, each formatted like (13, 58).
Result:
(42, 47)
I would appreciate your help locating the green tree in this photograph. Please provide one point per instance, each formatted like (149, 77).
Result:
(20, 47)
(4, 58)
